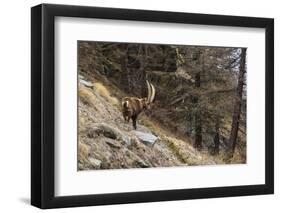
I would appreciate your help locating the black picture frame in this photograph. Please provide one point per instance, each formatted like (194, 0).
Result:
(43, 102)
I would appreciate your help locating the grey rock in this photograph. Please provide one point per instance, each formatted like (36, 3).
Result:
(114, 133)
(81, 76)
(141, 164)
(88, 141)
(93, 132)
(105, 165)
(95, 162)
(109, 131)
(113, 143)
(105, 130)
(80, 166)
(86, 83)
(127, 140)
(146, 138)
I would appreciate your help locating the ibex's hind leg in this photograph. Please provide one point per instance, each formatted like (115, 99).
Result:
(134, 119)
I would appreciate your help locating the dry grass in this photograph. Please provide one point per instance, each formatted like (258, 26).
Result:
(182, 148)
(83, 124)
(86, 95)
(84, 150)
(103, 91)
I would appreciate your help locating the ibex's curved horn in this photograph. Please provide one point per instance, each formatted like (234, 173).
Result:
(152, 93)
(148, 90)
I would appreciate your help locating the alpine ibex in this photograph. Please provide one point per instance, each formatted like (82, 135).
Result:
(133, 106)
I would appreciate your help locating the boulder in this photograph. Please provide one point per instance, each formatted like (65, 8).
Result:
(146, 138)
(108, 131)
(140, 164)
(86, 83)
(127, 140)
(95, 162)
(105, 130)
(113, 143)
(93, 132)
(81, 76)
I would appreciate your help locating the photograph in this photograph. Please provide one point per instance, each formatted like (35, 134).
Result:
(146, 105)
(133, 105)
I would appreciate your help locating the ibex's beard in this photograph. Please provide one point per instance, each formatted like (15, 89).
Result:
(133, 106)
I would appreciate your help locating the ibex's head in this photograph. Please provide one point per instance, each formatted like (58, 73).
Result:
(133, 106)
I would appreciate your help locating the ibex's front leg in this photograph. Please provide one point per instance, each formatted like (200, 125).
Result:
(134, 119)
(126, 117)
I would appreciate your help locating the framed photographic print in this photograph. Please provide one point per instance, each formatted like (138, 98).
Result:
(140, 106)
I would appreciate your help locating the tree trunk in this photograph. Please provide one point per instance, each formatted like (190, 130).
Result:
(124, 82)
(142, 73)
(217, 137)
(198, 122)
(196, 101)
(237, 105)
(136, 60)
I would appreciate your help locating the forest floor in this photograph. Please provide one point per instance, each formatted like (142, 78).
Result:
(106, 141)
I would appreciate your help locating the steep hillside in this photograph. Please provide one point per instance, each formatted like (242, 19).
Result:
(107, 142)
(196, 91)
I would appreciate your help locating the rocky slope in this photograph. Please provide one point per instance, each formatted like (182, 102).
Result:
(107, 142)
